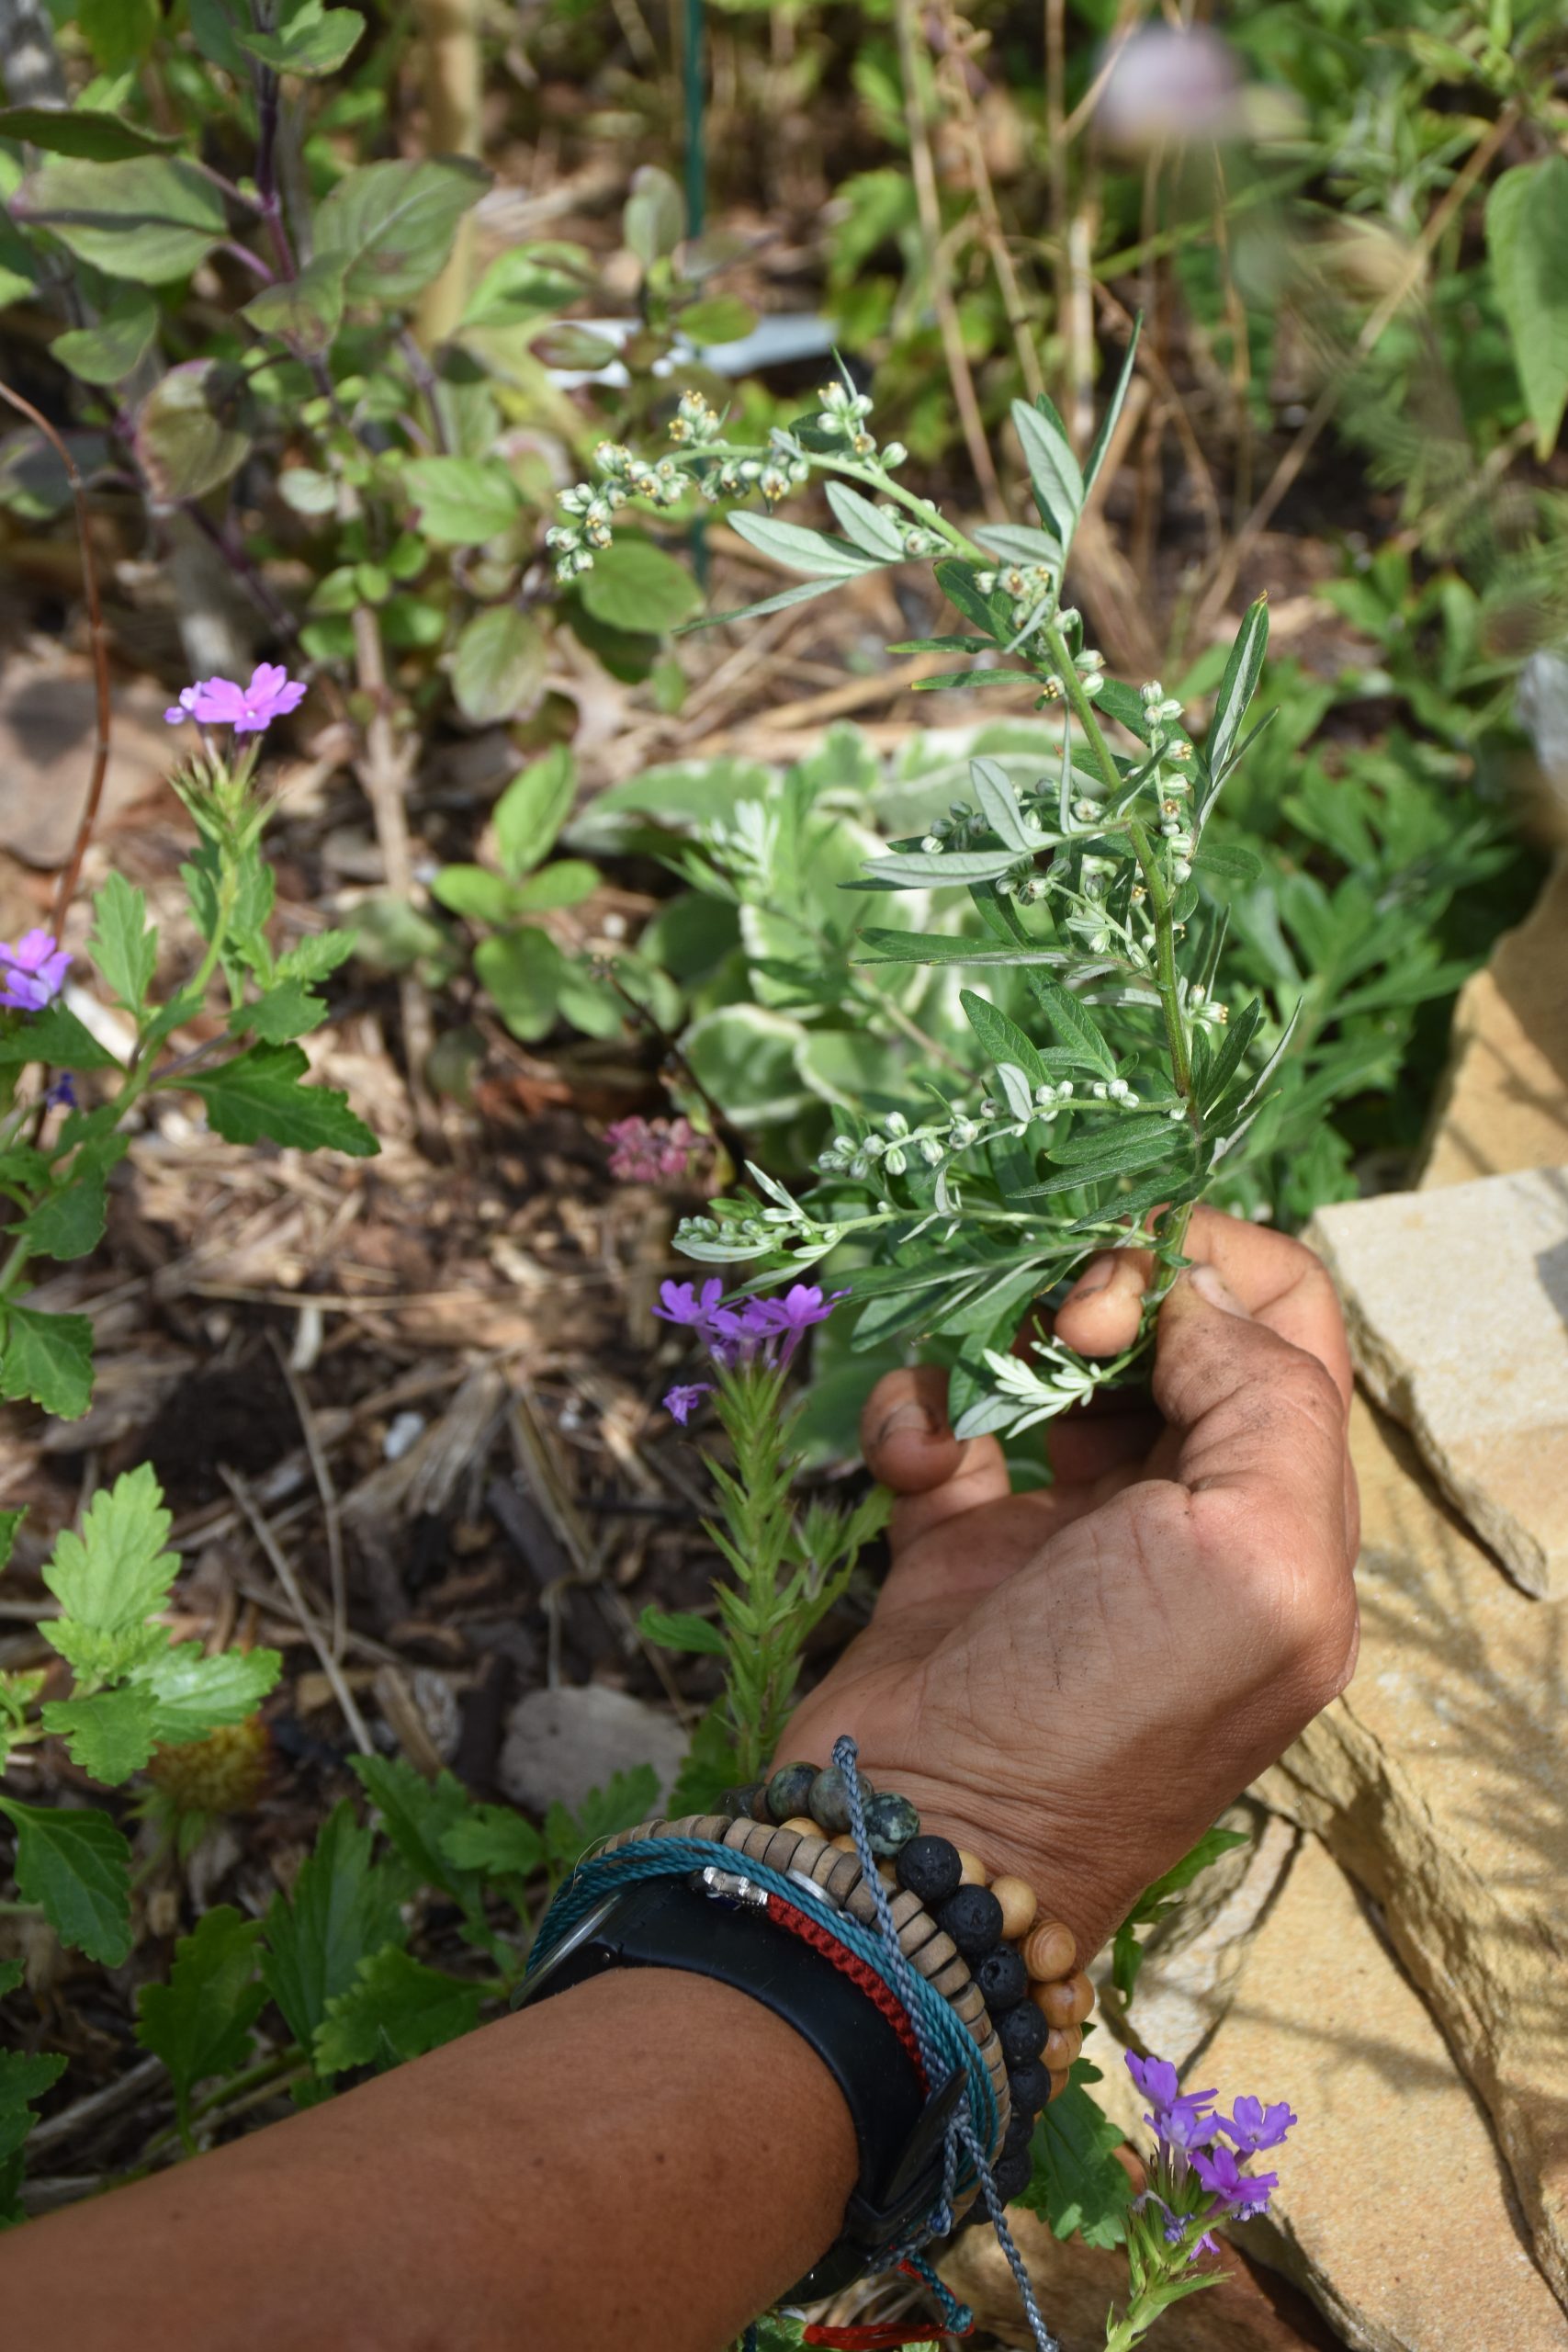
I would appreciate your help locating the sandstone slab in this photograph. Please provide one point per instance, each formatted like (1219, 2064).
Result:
(1076, 2284)
(560, 1743)
(1505, 1101)
(1457, 1306)
(1440, 1781)
(1392, 2210)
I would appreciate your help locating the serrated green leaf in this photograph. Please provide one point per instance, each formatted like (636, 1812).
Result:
(24, 2075)
(193, 1694)
(121, 944)
(634, 586)
(112, 1575)
(344, 1907)
(200, 2022)
(498, 664)
(316, 957)
(115, 348)
(416, 1815)
(110, 1735)
(1054, 472)
(260, 1097)
(149, 219)
(493, 1839)
(47, 1358)
(285, 1011)
(70, 1222)
(393, 223)
(1078, 2185)
(416, 2008)
(1527, 239)
(56, 1036)
(77, 1865)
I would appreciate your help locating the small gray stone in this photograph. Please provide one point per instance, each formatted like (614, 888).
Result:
(560, 1743)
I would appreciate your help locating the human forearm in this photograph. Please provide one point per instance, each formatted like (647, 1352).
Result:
(648, 2159)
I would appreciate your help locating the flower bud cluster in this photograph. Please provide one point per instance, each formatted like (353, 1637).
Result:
(695, 422)
(593, 505)
(843, 418)
(937, 1141)
(1171, 777)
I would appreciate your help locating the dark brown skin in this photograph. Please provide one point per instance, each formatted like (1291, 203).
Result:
(1072, 1682)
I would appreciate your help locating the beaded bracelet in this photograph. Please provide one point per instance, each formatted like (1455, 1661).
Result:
(1009, 1975)
(852, 1908)
(1024, 1967)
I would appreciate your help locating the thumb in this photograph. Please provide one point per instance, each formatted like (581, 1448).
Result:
(909, 1446)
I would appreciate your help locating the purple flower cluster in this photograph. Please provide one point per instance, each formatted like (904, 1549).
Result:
(681, 1402)
(1191, 2135)
(771, 1329)
(221, 702)
(32, 973)
(651, 1151)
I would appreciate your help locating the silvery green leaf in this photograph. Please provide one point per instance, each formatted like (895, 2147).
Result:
(999, 806)
(723, 1252)
(1016, 1087)
(812, 552)
(1096, 457)
(934, 870)
(774, 1189)
(1053, 471)
(987, 1418)
(1236, 688)
(1018, 543)
(787, 596)
(876, 534)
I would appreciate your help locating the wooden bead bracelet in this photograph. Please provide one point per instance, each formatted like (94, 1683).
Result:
(1009, 1975)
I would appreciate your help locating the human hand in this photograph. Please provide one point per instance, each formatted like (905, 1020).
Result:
(1073, 1682)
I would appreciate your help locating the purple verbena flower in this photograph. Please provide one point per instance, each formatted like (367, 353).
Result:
(32, 973)
(791, 1317)
(61, 1095)
(681, 1403)
(1180, 2120)
(1253, 2126)
(221, 702)
(1243, 2194)
(651, 1151)
(684, 1302)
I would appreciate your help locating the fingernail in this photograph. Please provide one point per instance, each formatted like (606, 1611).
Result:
(910, 1415)
(1211, 1285)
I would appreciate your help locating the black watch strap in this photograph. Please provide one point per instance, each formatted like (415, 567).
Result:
(669, 1922)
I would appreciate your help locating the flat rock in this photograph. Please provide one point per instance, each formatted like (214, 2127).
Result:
(1440, 1781)
(1506, 1102)
(1393, 2211)
(560, 1743)
(1457, 1306)
(1075, 2285)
